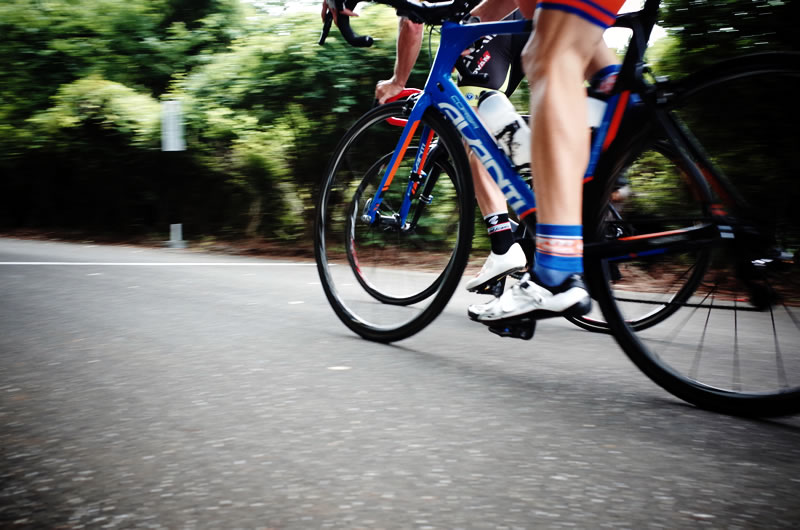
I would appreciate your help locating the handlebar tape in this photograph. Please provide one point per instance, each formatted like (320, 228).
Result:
(326, 28)
(343, 23)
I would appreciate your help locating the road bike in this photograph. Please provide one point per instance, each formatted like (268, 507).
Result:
(695, 276)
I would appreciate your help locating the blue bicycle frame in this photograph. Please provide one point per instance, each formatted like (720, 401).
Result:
(441, 92)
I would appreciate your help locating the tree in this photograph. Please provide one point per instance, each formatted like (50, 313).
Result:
(708, 30)
(51, 49)
(749, 127)
(269, 110)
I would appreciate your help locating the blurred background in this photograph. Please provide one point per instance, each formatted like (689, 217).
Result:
(83, 82)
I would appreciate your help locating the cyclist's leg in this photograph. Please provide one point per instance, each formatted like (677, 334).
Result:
(556, 59)
(495, 56)
(501, 59)
(506, 255)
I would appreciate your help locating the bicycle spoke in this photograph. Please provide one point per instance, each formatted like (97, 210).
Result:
(649, 288)
(681, 325)
(782, 378)
(792, 317)
(780, 366)
(670, 289)
(737, 370)
(696, 363)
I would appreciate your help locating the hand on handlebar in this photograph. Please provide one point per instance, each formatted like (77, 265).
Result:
(328, 9)
(387, 89)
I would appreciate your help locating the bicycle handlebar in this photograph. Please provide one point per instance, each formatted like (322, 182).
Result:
(343, 23)
(434, 13)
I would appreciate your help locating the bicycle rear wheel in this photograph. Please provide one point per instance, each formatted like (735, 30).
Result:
(387, 279)
(734, 345)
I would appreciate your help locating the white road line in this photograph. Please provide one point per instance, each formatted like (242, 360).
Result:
(153, 264)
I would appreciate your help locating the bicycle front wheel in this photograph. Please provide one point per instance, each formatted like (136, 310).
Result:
(365, 242)
(734, 345)
(388, 277)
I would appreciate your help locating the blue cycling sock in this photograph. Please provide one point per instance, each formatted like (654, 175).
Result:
(559, 253)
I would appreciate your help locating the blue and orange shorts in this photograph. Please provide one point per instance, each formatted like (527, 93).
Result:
(602, 13)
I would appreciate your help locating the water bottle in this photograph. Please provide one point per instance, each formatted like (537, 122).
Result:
(596, 109)
(512, 133)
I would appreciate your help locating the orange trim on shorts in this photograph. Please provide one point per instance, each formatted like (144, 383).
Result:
(602, 13)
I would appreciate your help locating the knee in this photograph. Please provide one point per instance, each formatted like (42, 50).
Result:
(536, 64)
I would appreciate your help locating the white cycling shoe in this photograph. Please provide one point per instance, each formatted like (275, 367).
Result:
(529, 299)
(499, 265)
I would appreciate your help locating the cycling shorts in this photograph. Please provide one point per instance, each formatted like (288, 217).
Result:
(499, 57)
(602, 13)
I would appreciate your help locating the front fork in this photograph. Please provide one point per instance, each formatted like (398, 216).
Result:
(417, 178)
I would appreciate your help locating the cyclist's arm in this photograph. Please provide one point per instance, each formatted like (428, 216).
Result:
(491, 10)
(409, 42)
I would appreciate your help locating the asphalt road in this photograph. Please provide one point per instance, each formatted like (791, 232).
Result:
(151, 388)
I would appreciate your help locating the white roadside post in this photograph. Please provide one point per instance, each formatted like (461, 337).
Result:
(172, 140)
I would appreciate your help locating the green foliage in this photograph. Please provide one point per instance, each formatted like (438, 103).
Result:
(275, 83)
(142, 43)
(79, 128)
(113, 108)
(264, 106)
(709, 30)
(659, 189)
(750, 126)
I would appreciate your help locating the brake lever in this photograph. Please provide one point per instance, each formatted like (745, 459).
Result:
(359, 41)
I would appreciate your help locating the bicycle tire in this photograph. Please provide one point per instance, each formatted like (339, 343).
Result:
(752, 366)
(651, 308)
(442, 238)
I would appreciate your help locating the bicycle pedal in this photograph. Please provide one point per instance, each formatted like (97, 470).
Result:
(519, 329)
(494, 288)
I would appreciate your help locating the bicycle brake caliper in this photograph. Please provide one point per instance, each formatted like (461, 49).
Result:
(365, 217)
